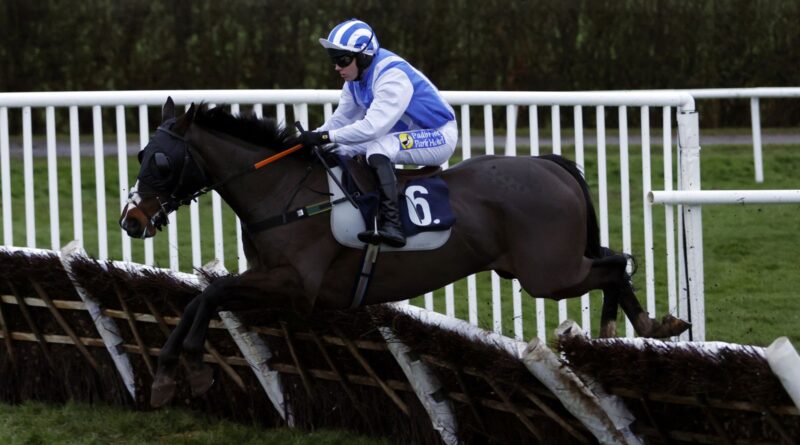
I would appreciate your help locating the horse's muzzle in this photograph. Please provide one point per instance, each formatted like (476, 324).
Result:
(131, 226)
(135, 224)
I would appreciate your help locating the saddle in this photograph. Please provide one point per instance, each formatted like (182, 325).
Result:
(424, 204)
(362, 180)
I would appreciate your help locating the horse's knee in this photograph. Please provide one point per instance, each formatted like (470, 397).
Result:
(213, 295)
(209, 301)
(223, 282)
(192, 347)
(167, 359)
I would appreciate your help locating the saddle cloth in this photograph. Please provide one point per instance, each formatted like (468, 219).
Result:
(424, 207)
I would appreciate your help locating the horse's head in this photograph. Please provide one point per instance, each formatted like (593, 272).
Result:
(168, 176)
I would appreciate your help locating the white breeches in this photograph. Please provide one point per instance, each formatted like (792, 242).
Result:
(415, 147)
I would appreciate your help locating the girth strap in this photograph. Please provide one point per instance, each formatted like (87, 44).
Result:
(293, 215)
(368, 261)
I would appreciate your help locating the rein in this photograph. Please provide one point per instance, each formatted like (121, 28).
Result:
(260, 164)
(287, 216)
(190, 147)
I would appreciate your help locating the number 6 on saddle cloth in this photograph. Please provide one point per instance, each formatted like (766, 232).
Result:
(426, 215)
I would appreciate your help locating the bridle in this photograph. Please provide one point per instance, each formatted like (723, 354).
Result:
(161, 217)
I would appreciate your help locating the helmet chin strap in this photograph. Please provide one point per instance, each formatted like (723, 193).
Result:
(362, 67)
(363, 61)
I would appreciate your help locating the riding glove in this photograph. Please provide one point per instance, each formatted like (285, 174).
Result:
(313, 138)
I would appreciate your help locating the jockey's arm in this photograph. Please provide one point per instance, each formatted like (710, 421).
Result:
(346, 112)
(392, 94)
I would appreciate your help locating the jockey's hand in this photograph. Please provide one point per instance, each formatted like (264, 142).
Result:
(313, 138)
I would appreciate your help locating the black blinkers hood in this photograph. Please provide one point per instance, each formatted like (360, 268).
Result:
(167, 165)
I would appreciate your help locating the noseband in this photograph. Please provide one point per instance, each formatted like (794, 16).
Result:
(158, 219)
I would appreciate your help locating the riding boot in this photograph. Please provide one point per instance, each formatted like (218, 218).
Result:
(390, 229)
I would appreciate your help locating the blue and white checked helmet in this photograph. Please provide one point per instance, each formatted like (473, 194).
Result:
(352, 35)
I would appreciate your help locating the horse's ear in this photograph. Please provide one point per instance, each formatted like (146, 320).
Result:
(168, 111)
(190, 111)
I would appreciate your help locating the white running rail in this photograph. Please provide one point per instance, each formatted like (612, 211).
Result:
(754, 94)
(507, 311)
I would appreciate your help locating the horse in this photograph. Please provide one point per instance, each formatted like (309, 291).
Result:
(529, 218)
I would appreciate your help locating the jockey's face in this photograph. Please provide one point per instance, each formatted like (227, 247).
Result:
(348, 72)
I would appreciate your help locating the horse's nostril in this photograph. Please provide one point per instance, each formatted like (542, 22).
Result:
(130, 225)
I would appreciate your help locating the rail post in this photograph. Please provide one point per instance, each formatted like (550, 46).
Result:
(755, 122)
(692, 227)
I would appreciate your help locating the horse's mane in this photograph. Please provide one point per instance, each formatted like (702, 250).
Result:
(264, 132)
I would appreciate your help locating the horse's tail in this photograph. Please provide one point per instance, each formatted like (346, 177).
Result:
(593, 247)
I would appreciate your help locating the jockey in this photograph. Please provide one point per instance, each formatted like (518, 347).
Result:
(388, 111)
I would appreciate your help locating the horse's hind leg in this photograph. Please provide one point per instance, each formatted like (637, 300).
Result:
(610, 264)
(622, 291)
(609, 274)
(645, 326)
(604, 274)
(608, 315)
(163, 388)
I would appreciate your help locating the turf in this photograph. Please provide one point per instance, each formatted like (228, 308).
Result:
(33, 423)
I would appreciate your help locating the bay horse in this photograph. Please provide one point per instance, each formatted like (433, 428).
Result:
(529, 218)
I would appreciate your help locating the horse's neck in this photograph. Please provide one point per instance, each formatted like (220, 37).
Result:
(261, 193)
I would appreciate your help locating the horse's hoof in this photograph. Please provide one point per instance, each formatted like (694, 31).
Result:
(672, 326)
(162, 391)
(645, 326)
(201, 379)
(668, 327)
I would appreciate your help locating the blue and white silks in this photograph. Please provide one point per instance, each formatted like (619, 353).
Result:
(396, 111)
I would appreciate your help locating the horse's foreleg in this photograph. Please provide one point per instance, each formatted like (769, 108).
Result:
(163, 389)
(201, 375)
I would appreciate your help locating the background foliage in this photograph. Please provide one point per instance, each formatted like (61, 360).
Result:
(58, 45)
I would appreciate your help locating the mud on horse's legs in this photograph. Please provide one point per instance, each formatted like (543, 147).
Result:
(617, 289)
(609, 274)
(645, 326)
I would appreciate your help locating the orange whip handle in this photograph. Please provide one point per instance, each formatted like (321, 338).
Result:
(275, 157)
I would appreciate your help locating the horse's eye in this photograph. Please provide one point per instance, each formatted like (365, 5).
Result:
(163, 166)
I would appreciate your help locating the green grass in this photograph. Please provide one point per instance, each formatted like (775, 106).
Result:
(33, 423)
(750, 270)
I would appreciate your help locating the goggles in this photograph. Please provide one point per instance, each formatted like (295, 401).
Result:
(343, 61)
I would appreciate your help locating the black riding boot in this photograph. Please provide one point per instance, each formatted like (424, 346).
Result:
(390, 229)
